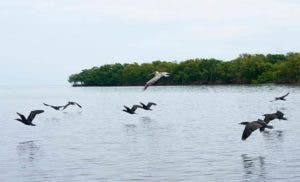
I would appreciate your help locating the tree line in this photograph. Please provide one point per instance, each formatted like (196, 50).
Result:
(245, 69)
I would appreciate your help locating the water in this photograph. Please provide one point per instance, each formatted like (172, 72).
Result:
(191, 135)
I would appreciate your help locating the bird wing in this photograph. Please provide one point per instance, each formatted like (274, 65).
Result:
(249, 128)
(78, 105)
(134, 107)
(127, 108)
(285, 95)
(247, 132)
(154, 79)
(22, 116)
(46, 104)
(150, 104)
(33, 114)
(143, 104)
(64, 107)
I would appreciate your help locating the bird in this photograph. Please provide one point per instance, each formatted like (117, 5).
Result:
(281, 97)
(71, 103)
(148, 106)
(277, 115)
(132, 109)
(54, 107)
(157, 76)
(252, 126)
(30, 118)
(269, 117)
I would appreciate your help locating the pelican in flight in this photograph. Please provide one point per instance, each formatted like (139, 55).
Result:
(281, 97)
(269, 117)
(54, 107)
(252, 126)
(277, 115)
(29, 119)
(157, 76)
(132, 109)
(71, 104)
(148, 106)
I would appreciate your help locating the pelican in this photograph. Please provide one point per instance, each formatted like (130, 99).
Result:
(54, 107)
(30, 118)
(281, 97)
(277, 115)
(269, 117)
(252, 126)
(71, 103)
(132, 109)
(147, 107)
(157, 76)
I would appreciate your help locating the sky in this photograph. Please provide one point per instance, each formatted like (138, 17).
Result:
(44, 41)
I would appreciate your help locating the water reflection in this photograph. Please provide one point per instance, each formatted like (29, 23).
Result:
(254, 168)
(27, 152)
(130, 127)
(146, 120)
(273, 135)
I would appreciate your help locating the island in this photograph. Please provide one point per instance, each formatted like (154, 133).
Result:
(245, 69)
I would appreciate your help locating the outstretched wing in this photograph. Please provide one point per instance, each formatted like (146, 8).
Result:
(285, 95)
(78, 104)
(143, 104)
(64, 107)
(249, 128)
(127, 108)
(150, 104)
(134, 107)
(33, 114)
(46, 104)
(153, 80)
(247, 132)
(22, 116)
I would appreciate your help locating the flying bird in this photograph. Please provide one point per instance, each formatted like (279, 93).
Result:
(252, 126)
(30, 118)
(269, 117)
(148, 106)
(71, 103)
(277, 115)
(281, 97)
(54, 107)
(132, 109)
(157, 76)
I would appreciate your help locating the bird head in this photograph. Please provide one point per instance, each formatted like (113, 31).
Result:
(244, 123)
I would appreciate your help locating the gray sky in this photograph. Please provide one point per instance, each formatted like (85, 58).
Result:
(44, 41)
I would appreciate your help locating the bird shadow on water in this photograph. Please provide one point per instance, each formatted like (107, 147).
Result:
(28, 152)
(274, 135)
(146, 120)
(254, 168)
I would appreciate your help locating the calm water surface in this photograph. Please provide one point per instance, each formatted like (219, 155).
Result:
(191, 135)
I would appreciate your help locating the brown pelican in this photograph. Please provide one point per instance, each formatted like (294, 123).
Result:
(54, 107)
(252, 126)
(147, 107)
(157, 76)
(281, 97)
(71, 103)
(277, 115)
(30, 118)
(132, 109)
(269, 117)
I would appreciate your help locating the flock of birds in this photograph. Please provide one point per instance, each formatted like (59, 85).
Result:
(249, 126)
(157, 76)
(262, 124)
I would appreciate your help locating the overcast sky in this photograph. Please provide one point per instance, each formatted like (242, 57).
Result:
(44, 41)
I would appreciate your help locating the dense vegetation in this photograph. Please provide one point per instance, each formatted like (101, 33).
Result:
(246, 69)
